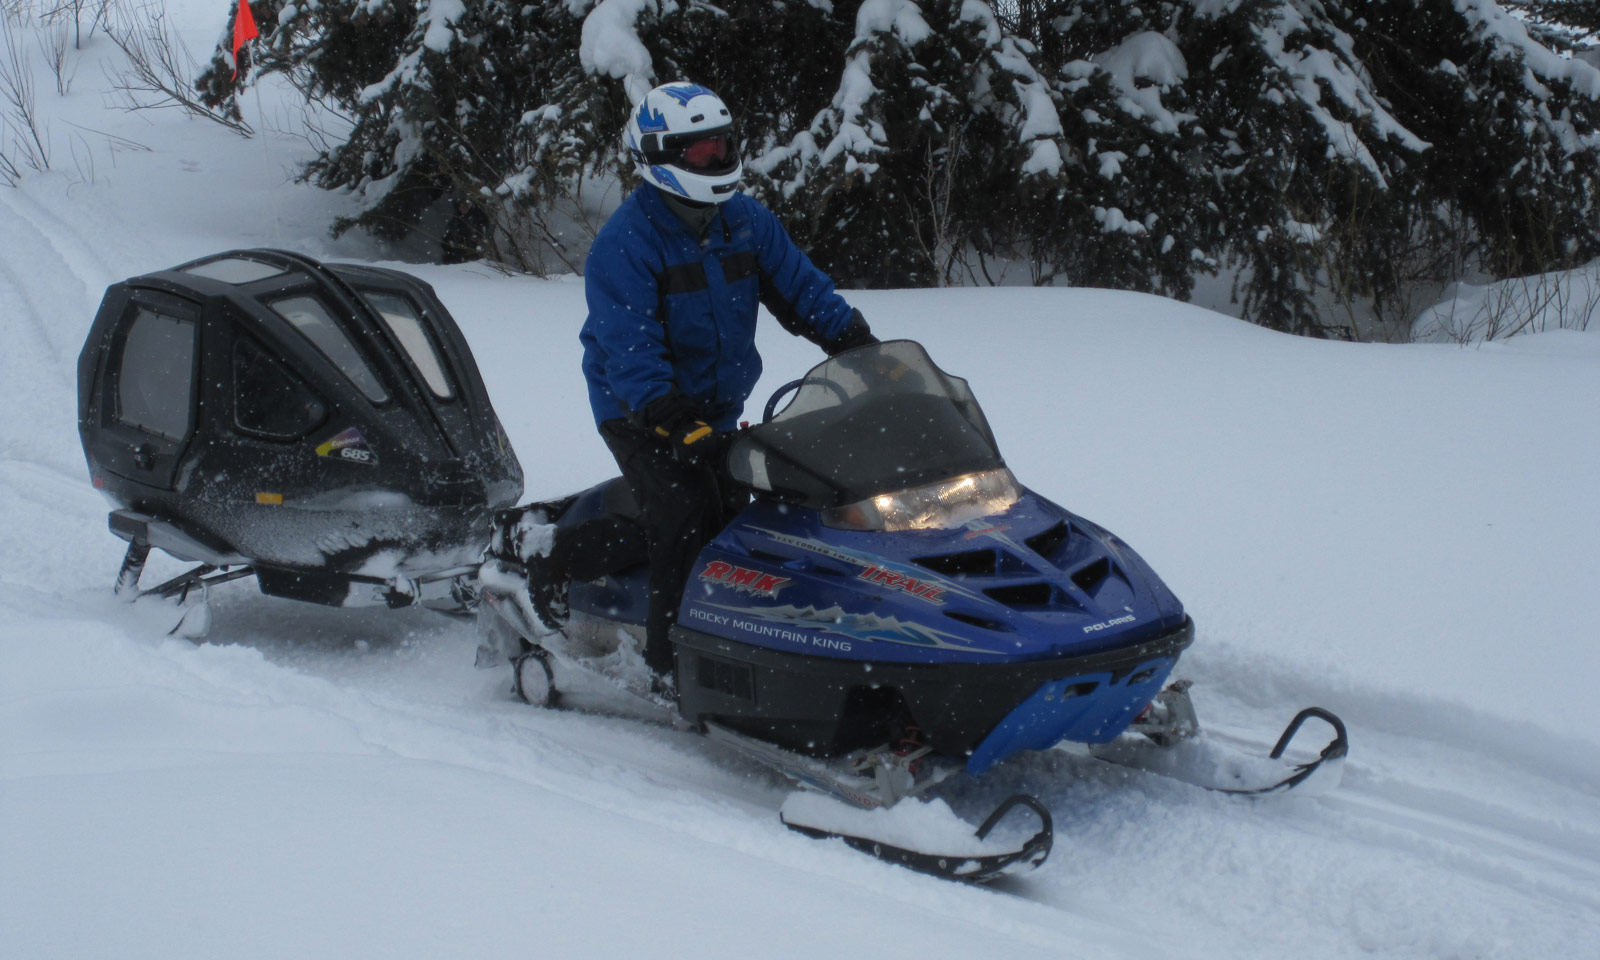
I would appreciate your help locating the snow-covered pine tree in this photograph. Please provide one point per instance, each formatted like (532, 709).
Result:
(432, 92)
(1332, 151)
(830, 180)
(1570, 21)
(1514, 127)
(1129, 210)
(1017, 151)
(774, 61)
(1304, 153)
(1320, 121)
(771, 60)
(920, 167)
(330, 49)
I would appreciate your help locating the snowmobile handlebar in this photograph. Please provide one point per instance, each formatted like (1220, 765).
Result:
(793, 385)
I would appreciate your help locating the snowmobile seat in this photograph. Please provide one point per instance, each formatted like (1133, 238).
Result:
(618, 499)
(325, 423)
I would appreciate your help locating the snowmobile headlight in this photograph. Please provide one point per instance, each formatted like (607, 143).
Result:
(933, 506)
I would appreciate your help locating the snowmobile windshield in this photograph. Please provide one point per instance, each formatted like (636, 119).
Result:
(880, 419)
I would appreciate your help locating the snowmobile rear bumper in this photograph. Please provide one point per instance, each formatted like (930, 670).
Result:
(823, 706)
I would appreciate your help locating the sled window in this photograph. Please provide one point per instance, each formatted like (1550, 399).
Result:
(311, 318)
(403, 320)
(155, 374)
(268, 400)
(235, 270)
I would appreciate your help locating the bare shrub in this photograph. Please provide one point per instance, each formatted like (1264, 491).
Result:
(52, 39)
(74, 10)
(1537, 304)
(160, 70)
(9, 174)
(1508, 308)
(23, 136)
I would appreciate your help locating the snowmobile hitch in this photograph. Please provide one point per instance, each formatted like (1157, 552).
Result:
(133, 563)
(203, 575)
(132, 566)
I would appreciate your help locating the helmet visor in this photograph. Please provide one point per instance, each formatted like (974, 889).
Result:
(710, 153)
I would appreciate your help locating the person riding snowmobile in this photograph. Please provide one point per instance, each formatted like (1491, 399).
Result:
(673, 281)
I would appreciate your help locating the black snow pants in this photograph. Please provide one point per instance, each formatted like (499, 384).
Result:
(683, 503)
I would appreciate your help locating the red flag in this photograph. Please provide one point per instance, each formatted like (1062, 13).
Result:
(244, 30)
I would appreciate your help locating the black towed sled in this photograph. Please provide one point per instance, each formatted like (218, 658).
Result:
(322, 427)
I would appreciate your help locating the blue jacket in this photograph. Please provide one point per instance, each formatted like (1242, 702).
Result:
(670, 311)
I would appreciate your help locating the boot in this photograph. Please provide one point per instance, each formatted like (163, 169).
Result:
(547, 589)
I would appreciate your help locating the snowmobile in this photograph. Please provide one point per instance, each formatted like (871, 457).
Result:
(892, 609)
(321, 427)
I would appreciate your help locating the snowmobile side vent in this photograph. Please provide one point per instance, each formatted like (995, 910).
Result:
(970, 563)
(1023, 595)
(1048, 543)
(767, 556)
(726, 677)
(983, 623)
(1090, 576)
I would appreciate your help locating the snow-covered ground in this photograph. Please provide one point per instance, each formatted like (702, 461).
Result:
(1402, 534)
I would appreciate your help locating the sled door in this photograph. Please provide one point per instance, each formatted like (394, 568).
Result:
(142, 406)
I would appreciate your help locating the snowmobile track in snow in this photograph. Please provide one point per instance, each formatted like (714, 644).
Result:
(1465, 835)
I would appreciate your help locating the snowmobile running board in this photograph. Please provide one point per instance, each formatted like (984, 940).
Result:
(891, 776)
(548, 678)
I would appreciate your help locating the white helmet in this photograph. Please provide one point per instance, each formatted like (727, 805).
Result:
(680, 136)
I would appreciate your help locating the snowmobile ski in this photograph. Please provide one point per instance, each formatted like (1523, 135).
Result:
(1166, 741)
(974, 859)
(868, 801)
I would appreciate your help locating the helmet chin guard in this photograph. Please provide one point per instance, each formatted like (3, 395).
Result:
(680, 136)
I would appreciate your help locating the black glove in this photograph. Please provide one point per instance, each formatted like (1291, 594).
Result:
(856, 334)
(676, 419)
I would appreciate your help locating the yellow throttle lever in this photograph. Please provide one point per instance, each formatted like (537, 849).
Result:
(695, 431)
